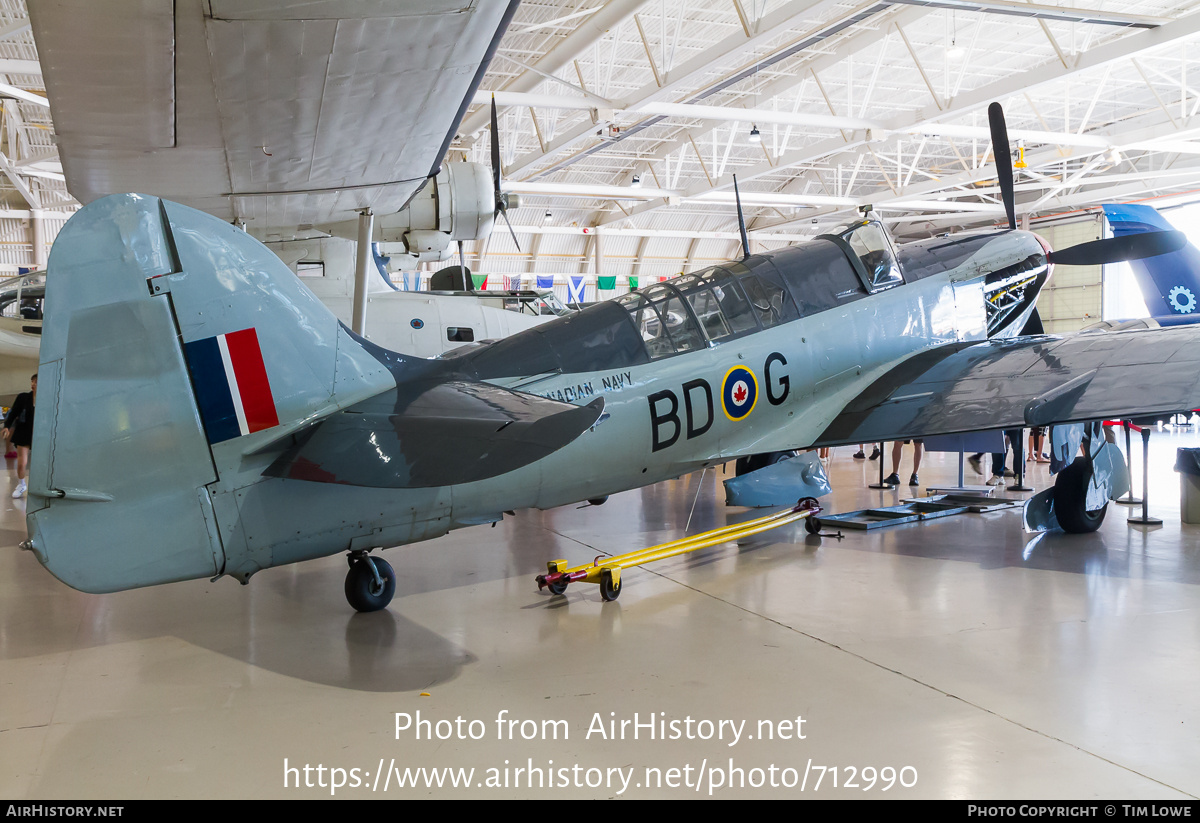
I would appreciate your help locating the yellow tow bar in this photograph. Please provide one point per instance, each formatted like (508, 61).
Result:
(606, 571)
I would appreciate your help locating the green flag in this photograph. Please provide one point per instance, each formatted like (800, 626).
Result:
(606, 283)
(632, 282)
(480, 281)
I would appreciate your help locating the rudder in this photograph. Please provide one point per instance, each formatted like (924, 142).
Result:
(174, 346)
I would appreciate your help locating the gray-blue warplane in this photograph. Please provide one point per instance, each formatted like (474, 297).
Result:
(188, 378)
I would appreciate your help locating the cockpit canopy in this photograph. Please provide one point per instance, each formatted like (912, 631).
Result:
(698, 310)
(870, 243)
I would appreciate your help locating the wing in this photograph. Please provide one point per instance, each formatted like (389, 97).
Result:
(1027, 381)
(282, 113)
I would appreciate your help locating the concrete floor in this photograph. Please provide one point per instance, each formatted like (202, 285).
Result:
(961, 657)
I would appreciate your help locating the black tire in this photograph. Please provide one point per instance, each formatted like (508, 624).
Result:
(1070, 498)
(812, 524)
(557, 588)
(361, 590)
(608, 590)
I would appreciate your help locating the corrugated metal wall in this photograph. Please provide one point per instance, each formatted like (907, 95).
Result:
(16, 241)
(1074, 296)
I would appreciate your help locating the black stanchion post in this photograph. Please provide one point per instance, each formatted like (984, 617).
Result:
(881, 484)
(1145, 519)
(1019, 468)
(1129, 499)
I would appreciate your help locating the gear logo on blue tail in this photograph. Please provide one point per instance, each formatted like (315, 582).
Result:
(230, 381)
(739, 393)
(1181, 299)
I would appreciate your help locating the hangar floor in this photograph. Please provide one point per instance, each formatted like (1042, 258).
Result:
(989, 663)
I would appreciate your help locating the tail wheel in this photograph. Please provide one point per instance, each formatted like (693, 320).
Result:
(1070, 499)
(364, 591)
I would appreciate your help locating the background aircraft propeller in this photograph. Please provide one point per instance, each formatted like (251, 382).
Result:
(1095, 253)
(501, 199)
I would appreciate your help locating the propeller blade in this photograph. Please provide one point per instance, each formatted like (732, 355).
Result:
(741, 220)
(504, 214)
(462, 261)
(495, 151)
(486, 248)
(1116, 249)
(1003, 158)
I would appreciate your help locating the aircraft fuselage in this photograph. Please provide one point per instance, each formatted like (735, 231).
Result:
(663, 418)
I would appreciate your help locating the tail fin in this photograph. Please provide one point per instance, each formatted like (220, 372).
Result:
(169, 352)
(1170, 283)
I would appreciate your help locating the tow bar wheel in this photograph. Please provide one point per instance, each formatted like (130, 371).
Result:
(610, 584)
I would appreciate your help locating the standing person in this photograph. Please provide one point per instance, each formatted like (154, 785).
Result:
(19, 426)
(918, 448)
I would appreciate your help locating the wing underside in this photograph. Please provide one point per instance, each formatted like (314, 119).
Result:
(282, 114)
(1027, 381)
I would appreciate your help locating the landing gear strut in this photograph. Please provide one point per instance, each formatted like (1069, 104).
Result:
(1082, 488)
(370, 583)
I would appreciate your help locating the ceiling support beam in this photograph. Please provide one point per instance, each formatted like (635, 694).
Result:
(592, 30)
(927, 120)
(682, 79)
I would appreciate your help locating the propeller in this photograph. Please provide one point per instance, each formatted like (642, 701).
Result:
(501, 201)
(1094, 253)
(1116, 249)
(741, 220)
(1003, 158)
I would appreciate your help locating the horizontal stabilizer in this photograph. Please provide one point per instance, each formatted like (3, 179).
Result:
(435, 435)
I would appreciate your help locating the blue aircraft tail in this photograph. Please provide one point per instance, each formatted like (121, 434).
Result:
(1170, 283)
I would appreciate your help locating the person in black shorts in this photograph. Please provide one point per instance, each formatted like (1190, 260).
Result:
(19, 426)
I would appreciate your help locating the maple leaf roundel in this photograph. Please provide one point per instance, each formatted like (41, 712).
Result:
(739, 392)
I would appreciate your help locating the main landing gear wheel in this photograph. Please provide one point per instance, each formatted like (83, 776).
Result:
(1070, 499)
(364, 590)
(608, 590)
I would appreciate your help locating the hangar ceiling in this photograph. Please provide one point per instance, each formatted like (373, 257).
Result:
(630, 117)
